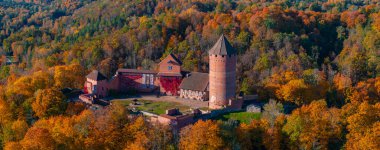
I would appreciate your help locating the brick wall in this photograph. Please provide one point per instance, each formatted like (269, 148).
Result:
(222, 80)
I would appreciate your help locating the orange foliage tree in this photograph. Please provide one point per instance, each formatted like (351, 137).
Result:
(313, 126)
(49, 102)
(363, 127)
(38, 138)
(201, 135)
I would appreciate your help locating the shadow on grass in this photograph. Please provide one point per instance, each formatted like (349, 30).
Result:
(240, 116)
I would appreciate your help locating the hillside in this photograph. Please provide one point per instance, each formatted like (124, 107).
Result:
(321, 56)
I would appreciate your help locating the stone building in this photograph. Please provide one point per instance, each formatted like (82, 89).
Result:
(195, 86)
(222, 74)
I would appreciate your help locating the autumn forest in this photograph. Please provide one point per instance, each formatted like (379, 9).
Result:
(314, 63)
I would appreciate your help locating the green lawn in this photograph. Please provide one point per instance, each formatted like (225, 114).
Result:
(157, 107)
(242, 117)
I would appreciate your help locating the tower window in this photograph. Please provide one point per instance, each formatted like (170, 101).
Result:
(170, 67)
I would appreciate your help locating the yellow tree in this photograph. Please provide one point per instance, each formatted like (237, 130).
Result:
(137, 134)
(293, 91)
(141, 135)
(69, 76)
(12, 146)
(364, 127)
(313, 126)
(24, 83)
(201, 135)
(62, 129)
(19, 128)
(312, 86)
(106, 128)
(38, 138)
(6, 114)
(49, 102)
(277, 80)
(368, 91)
(41, 80)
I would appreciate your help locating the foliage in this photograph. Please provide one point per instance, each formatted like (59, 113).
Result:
(296, 52)
(313, 126)
(242, 117)
(49, 102)
(363, 127)
(272, 110)
(202, 135)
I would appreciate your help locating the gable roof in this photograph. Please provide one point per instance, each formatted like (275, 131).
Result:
(196, 81)
(176, 60)
(96, 75)
(222, 47)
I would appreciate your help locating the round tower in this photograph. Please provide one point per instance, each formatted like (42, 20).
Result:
(222, 82)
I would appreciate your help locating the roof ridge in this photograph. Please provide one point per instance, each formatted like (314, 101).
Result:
(96, 75)
(222, 47)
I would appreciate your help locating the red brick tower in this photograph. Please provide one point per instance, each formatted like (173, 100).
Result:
(222, 73)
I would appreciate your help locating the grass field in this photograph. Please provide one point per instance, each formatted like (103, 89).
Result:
(242, 117)
(157, 107)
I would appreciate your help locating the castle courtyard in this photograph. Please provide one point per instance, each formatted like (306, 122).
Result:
(160, 104)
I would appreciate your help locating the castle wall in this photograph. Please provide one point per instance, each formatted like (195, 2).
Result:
(222, 80)
(141, 82)
(197, 95)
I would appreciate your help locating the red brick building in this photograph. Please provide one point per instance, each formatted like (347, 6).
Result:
(167, 79)
(218, 86)
(170, 75)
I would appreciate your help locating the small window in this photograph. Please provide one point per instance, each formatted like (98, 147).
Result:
(170, 67)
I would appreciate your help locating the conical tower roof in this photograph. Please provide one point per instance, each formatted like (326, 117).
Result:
(222, 47)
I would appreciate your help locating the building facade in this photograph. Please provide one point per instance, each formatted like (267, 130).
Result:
(195, 86)
(166, 80)
(218, 86)
(170, 75)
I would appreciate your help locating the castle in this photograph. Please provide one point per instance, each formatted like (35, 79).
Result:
(218, 86)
